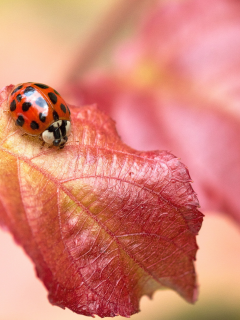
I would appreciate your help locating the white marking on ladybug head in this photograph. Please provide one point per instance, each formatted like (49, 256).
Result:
(48, 136)
(68, 128)
(57, 133)
(57, 124)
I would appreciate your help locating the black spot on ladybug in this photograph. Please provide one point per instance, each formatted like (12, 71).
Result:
(34, 125)
(40, 85)
(29, 91)
(19, 97)
(42, 117)
(20, 121)
(13, 105)
(16, 89)
(41, 102)
(56, 92)
(26, 106)
(55, 116)
(52, 97)
(62, 106)
(68, 110)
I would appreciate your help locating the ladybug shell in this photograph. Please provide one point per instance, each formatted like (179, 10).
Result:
(35, 106)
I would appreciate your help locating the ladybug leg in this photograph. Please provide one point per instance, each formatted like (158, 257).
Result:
(24, 134)
(43, 142)
(42, 145)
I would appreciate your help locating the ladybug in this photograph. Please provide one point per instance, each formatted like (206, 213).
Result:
(39, 110)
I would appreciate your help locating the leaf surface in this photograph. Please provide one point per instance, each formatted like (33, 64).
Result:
(104, 224)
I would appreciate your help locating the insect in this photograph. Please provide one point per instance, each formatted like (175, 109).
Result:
(39, 110)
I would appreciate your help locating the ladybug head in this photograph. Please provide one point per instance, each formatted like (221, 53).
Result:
(57, 134)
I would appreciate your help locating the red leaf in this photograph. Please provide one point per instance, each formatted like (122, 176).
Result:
(103, 223)
(176, 86)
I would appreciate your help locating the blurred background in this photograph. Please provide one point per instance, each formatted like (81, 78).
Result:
(41, 41)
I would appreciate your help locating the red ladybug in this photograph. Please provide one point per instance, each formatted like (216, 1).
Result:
(40, 110)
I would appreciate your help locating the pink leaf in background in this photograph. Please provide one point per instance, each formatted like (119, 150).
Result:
(175, 86)
(103, 223)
